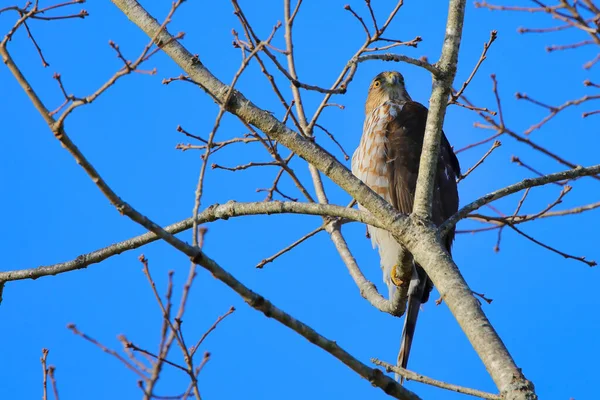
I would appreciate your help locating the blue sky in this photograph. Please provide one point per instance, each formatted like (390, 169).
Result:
(545, 307)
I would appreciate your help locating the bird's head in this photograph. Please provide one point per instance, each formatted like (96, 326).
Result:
(386, 86)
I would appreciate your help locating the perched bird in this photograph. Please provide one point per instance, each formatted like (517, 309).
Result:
(387, 160)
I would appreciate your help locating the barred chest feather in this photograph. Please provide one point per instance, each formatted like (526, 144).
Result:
(369, 162)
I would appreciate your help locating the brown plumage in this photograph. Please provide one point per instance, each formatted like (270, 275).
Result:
(387, 160)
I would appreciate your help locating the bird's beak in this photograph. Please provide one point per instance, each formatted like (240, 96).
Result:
(393, 79)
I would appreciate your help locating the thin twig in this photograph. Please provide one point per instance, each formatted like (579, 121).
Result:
(478, 163)
(124, 341)
(399, 58)
(51, 370)
(105, 349)
(486, 46)
(359, 18)
(590, 263)
(517, 160)
(212, 328)
(45, 374)
(484, 141)
(245, 166)
(290, 247)
(35, 44)
(517, 187)
(501, 128)
(186, 133)
(482, 296)
(221, 113)
(553, 110)
(412, 376)
(346, 156)
(372, 15)
(136, 348)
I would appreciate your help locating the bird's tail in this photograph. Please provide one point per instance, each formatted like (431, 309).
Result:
(415, 296)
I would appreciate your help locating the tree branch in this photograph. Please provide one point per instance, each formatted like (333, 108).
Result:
(400, 58)
(212, 213)
(412, 376)
(438, 102)
(524, 184)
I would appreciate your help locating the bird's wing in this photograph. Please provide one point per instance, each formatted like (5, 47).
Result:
(405, 133)
(447, 201)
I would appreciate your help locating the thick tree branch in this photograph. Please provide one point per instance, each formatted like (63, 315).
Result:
(519, 219)
(524, 184)
(442, 88)
(367, 288)
(375, 376)
(425, 244)
(212, 213)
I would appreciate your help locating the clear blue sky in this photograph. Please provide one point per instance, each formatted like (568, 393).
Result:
(545, 307)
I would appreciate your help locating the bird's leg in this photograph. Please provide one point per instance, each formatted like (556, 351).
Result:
(402, 269)
(398, 282)
(396, 275)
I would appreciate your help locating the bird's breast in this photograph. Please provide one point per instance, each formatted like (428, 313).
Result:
(369, 162)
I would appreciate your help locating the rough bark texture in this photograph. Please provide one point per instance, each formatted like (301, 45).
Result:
(424, 243)
(442, 87)
(212, 213)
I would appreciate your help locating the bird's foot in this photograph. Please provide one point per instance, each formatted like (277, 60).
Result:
(395, 276)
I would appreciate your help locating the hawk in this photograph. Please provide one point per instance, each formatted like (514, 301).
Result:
(387, 160)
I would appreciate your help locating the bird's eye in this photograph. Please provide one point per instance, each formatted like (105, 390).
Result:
(376, 84)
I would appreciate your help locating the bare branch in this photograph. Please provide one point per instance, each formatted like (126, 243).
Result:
(212, 328)
(45, 374)
(518, 161)
(212, 213)
(517, 187)
(412, 376)
(502, 129)
(553, 110)
(346, 156)
(484, 141)
(478, 163)
(590, 263)
(136, 348)
(442, 87)
(51, 371)
(290, 247)
(486, 46)
(105, 349)
(399, 58)
(358, 17)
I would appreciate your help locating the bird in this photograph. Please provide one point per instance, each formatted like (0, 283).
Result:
(387, 160)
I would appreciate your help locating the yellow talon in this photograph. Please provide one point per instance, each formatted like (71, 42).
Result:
(397, 281)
